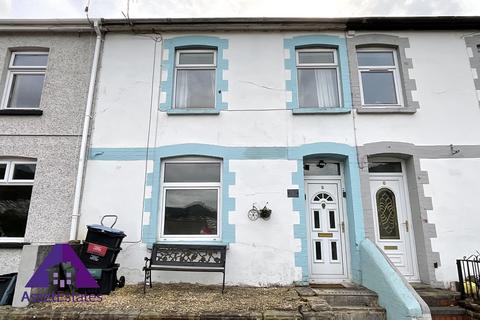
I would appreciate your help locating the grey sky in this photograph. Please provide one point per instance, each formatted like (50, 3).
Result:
(10, 9)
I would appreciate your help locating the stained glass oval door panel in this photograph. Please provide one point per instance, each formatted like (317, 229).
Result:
(387, 214)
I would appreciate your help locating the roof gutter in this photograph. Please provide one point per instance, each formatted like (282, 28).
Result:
(45, 25)
(86, 128)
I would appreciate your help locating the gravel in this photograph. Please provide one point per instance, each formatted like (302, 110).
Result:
(187, 298)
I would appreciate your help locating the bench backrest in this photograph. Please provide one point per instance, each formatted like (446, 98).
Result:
(188, 255)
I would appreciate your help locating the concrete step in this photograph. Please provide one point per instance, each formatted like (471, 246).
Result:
(449, 313)
(359, 313)
(437, 297)
(348, 297)
(347, 313)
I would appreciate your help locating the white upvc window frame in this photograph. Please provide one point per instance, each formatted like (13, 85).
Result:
(14, 70)
(320, 66)
(8, 180)
(164, 186)
(396, 76)
(179, 66)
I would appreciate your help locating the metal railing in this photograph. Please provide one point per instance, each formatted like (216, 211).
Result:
(469, 276)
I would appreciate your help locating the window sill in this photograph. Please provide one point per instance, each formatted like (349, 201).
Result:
(198, 111)
(21, 112)
(385, 110)
(320, 110)
(13, 245)
(187, 242)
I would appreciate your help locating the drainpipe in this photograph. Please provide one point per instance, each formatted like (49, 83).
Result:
(86, 127)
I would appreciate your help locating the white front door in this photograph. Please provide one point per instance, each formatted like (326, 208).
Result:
(326, 227)
(393, 222)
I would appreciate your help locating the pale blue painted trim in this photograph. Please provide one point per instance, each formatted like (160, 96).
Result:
(196, 111)
(167, 85)
(150, 230)
(126, 154)
(149, 234)
(290, 64)
(355, 221)
(378, 275)
(345, 152)
(300, 229)
(213, 243)
(320, 110)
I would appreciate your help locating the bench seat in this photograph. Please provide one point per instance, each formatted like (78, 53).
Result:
(185, 257)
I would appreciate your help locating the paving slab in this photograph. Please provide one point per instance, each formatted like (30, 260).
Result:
(305, 291)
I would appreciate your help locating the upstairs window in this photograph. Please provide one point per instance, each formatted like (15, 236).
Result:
(318, 85)
(24, 82)
(16, 183)
(195, 79)
(379, 77)
(191, 198)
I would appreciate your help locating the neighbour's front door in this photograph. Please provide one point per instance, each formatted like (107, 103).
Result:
(326, 231)
(393, 222)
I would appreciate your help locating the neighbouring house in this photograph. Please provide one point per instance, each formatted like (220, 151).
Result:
(360, 134)
(44, 78)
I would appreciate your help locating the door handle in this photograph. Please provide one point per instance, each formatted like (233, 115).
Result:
(406, 225)
(343, 226)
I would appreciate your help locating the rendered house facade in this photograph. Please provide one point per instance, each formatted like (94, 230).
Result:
(346, 131)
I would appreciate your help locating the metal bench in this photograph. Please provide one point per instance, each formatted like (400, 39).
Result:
(185, 257)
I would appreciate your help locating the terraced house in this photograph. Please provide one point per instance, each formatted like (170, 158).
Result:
(44, 77)
(360, 135)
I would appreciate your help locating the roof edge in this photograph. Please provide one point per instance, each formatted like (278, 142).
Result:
(247, 24)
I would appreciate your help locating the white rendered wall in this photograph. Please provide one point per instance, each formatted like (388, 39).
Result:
(114, 187)
(257, 114)
(456, 215)
(263, 252)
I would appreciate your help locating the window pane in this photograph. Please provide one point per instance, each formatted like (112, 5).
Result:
(379, 88)
(333, 223)
(328, 169)
(35, 60)
(26, 91)
(318, 88)
(315, 57)
(318, 250)
(3, 169)
(387, 214)
(384, 167)
(14, 204)
(195, 89)
(316, 219)
(192, 172)
(375, 58)
(191, 212)
(334, 251)
(196, 58)
(24, 171)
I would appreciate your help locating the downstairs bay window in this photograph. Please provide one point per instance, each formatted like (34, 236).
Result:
(191, 192)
